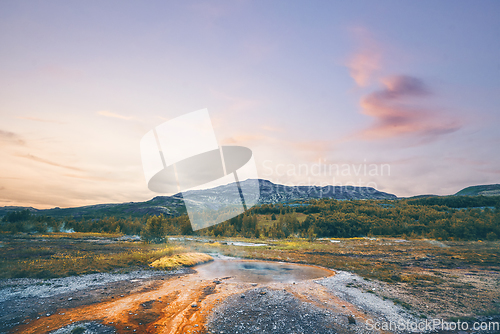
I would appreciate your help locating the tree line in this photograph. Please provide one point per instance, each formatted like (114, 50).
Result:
(445, 218)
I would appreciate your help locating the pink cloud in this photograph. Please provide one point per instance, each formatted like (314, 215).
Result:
(396, 111)
(362, 66)
(7, 137)
(366, 61)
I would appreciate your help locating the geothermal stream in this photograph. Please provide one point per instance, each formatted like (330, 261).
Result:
(228, 296)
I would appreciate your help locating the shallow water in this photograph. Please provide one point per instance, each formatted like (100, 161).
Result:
(247, 244)
(260, 271)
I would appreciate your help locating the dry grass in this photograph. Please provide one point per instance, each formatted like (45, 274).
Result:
(76, 235)
(59, 255)
(178, 260)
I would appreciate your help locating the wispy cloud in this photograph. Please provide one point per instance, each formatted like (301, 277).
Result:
(312, 150)
(367, 60)
(397, 112)
(397, 108)
(106, 113)
(272, 128)
(36, 119)
(307, 149)
(243, 139)
(91, 178)
(234, 104)
(7, 137)
(45, 161)
(321, 146)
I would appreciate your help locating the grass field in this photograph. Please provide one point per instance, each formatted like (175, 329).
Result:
(67, 254)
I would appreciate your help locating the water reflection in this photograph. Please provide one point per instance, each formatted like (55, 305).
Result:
(260, 271)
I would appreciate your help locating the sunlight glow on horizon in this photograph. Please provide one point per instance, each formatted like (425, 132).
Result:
(297, 83)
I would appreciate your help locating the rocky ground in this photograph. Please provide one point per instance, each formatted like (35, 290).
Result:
(264, 310)
(187, 302)
(327, 305)
(365, 295)
(85, 327)
(24, 299)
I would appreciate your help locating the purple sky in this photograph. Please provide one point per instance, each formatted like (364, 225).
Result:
(402, 96)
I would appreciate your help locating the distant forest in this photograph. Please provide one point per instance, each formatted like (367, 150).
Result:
(443, 218)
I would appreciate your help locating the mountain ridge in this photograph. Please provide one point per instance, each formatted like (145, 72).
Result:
(270, 193)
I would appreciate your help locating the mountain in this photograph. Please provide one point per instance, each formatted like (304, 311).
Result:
(485, 190)
(270, 193)
(275, 193)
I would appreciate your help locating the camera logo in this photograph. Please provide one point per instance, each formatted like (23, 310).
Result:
(216, 182)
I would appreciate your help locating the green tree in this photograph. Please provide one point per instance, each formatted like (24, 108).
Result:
(154, 230)
(312, 236)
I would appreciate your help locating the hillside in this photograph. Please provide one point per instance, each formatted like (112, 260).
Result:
(484, 190)
(167, 205)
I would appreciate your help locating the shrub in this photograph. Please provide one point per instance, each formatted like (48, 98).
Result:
(492, 236)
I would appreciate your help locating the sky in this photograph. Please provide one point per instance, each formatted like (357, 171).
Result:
(403, 96)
